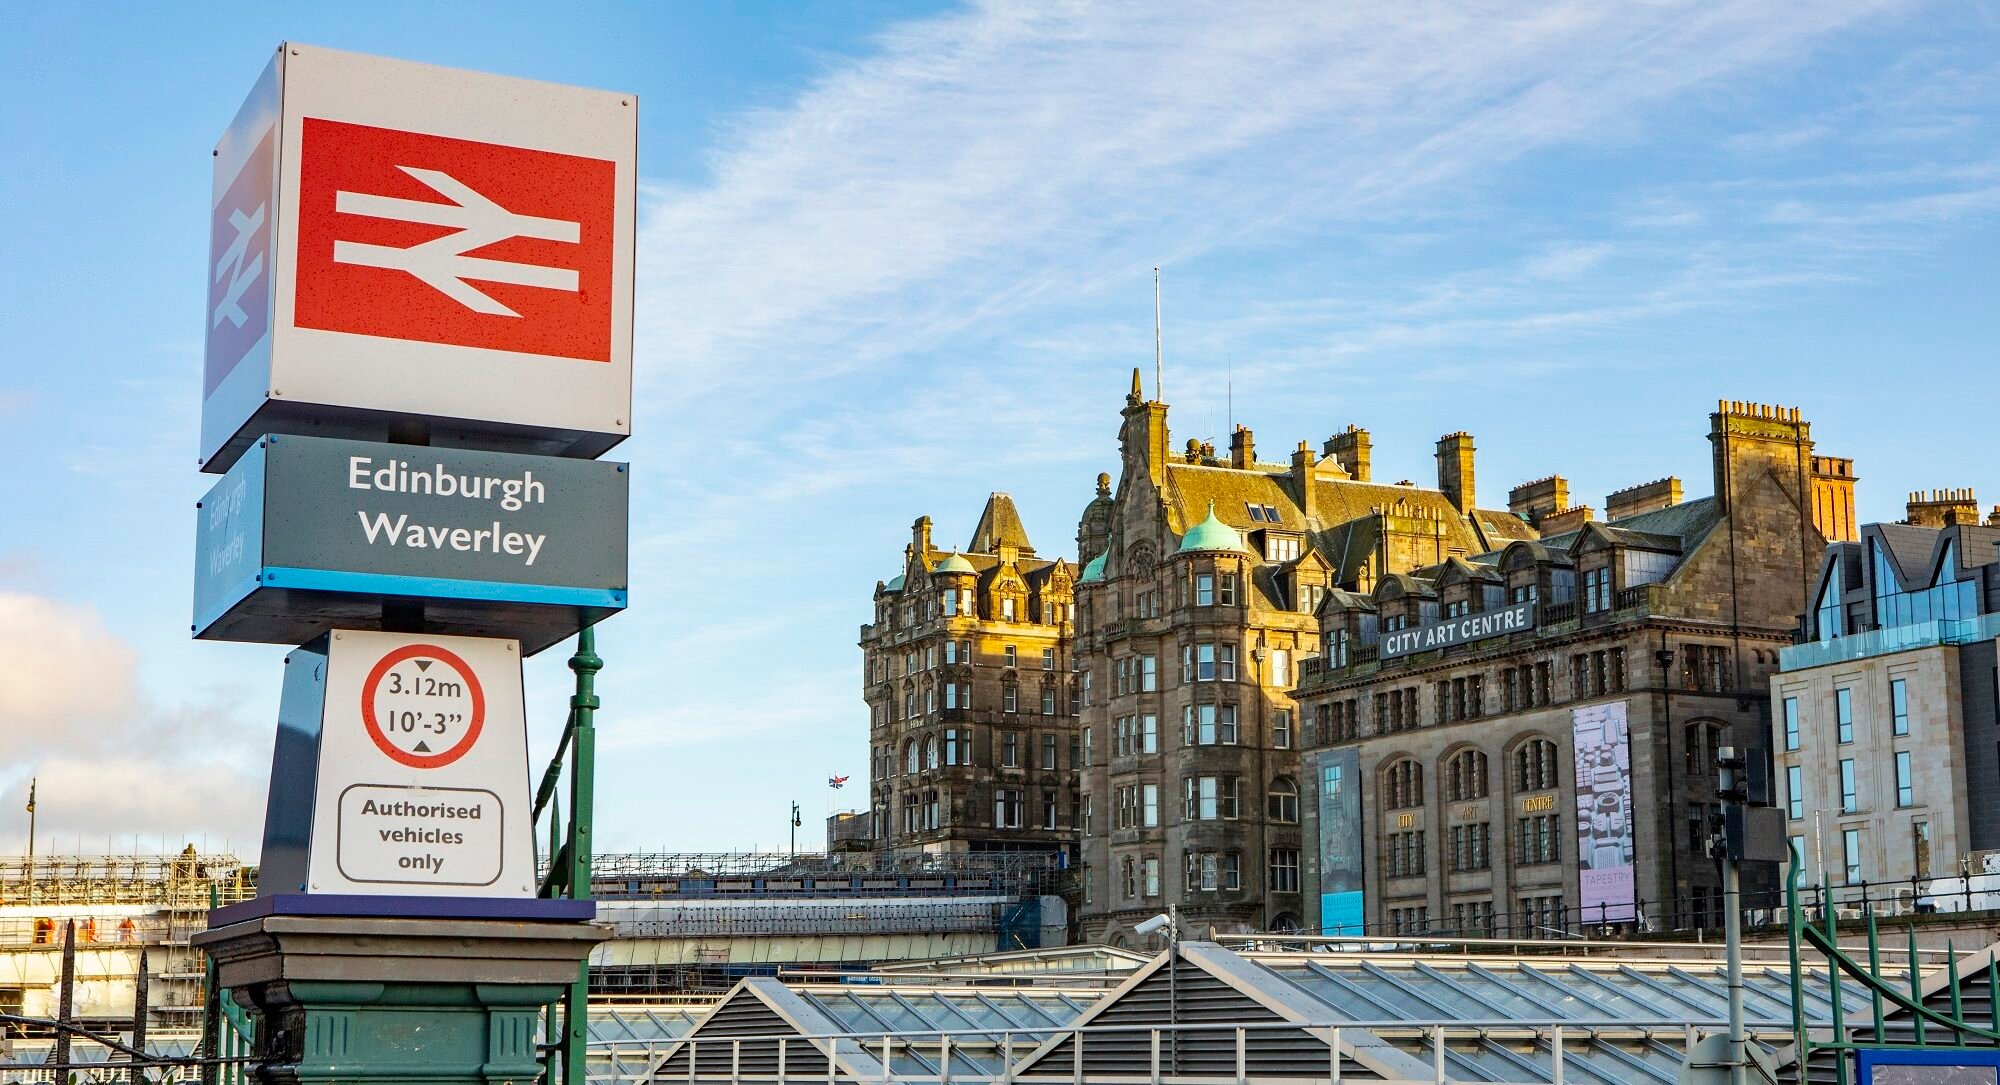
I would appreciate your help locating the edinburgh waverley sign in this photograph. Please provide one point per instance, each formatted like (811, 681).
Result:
(305, 533)
(394, 243)
(1460, 630)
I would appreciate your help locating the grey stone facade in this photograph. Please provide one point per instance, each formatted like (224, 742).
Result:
(1672, 615)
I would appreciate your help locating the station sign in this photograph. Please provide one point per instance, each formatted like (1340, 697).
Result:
(401, 768)
(308, 534)
(394, 242)
(1463, 629)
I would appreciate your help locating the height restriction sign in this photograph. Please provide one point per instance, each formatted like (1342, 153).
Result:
(407, 772)
(423, 706)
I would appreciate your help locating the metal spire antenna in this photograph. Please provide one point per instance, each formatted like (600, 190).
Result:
(1158, 396)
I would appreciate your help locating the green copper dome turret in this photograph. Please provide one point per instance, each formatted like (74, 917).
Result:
(954, 563)
(1211, 534)
(1093, 571)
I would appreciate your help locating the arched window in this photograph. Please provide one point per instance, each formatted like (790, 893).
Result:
(1282, 801)
(1285, 923)
(1405, 786)
(1535, 765)
(1466, 776)
(910, 756)
(931, 752)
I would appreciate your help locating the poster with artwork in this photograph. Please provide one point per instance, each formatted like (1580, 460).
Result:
(1606, 880)
(1340, 901)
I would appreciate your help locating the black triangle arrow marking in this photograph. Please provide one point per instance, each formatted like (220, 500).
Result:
(422, 747)
(425, 664)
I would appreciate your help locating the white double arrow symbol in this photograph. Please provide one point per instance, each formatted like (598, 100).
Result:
(441, 262)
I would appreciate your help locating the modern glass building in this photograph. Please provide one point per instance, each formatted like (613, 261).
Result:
(1885, 713)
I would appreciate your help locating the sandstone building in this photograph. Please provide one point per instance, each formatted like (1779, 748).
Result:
(1518, 736)
(1888, 734)
(1202, 576)
(968, 677)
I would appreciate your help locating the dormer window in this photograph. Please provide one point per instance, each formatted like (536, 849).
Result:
(1007, 609)
(1457, 608)
(1281, 547)
(1522, 593)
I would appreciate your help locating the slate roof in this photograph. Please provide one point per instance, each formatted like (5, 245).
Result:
(1676, 527)
(999, 525)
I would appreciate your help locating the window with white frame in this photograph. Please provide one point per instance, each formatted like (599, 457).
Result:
(1211, 798)
(1007, 808)
(1209, 725)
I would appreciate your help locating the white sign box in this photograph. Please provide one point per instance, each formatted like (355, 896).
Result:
(394, 243)
(401, 768)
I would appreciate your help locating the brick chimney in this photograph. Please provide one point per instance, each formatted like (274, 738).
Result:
(1454, 456)
(1943, 508)
(1833, 499)
(1645, 497)
(1537, 500)
(1242, 448)
(1350, 448)
(1568, 520)
(1302, 477)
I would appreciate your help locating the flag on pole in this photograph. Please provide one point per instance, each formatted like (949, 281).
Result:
(836, 782)
(31, 795)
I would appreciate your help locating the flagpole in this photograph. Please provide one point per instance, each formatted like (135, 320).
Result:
(32, 783)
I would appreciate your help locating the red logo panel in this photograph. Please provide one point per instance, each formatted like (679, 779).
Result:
(439, 240)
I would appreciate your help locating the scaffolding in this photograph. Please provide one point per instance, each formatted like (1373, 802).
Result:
(155, 902)
(652, 874)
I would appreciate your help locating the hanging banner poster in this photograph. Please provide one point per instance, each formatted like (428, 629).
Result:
(1340, 862)
(1608, 887)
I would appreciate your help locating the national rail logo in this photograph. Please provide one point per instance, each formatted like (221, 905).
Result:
(404, 235)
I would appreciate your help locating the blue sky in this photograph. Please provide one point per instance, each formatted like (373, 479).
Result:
(893, 257)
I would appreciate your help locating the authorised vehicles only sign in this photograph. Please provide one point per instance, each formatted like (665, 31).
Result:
(421, 774)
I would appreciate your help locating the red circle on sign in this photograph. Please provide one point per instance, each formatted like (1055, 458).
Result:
(397, 753)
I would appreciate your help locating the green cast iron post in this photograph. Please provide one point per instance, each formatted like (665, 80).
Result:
(582, 802)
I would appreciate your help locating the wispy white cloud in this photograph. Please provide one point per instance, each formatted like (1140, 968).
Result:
(983, 161)
(111, 757)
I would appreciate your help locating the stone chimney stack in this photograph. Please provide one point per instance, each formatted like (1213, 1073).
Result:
(1454, 456)
(1142, 436)
(1645, 497)
(1540, 499)
(1242, 448)
(1943, 508)
(1350, 448)
(920, 539)
(1302, 477)
(1833, 498)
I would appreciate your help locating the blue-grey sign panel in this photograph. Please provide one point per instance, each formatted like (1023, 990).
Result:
(308, 533)
(1513, 618)
(1340, 861)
